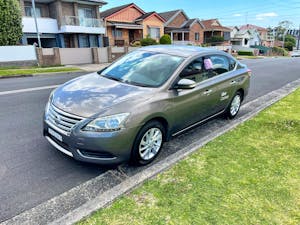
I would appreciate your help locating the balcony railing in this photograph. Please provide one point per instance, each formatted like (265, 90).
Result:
(81, 21)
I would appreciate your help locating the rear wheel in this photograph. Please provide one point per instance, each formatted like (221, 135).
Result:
(234, 106)
(148, 143)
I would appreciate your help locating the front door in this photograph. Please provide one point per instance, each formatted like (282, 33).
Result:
(131, 36)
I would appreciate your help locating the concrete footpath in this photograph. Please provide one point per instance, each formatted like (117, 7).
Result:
(59, 209)
(90, 67)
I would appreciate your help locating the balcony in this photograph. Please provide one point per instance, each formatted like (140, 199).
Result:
(45, 25)
(74, 24)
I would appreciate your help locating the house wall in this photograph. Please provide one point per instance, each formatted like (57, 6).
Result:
(196, 28)
(125, 36)
(178, 21)
(153, 21)
(67, 9)
(127, 15)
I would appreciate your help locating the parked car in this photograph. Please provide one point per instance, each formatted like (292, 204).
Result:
(127, 110)
(295, 53)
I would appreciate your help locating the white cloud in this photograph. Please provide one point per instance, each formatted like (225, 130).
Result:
(263, 16)
(237, 15)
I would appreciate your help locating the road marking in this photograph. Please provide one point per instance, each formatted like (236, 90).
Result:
(28, 90)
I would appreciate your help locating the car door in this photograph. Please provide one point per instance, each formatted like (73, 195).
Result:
(224, 81)
(192, 105)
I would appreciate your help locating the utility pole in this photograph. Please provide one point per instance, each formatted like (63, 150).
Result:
(36, 24)
(298, 43)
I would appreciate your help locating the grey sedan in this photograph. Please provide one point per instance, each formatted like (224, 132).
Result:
(127, 110)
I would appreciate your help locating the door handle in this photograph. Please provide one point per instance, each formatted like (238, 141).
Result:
(233, 82)
(207, 92)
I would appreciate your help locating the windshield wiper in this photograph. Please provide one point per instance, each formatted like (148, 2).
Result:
(136, 83)
(112, 78)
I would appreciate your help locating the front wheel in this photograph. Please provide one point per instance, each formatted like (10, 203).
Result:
(234, 106)
(148, 143)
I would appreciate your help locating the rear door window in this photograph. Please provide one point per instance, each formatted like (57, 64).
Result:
(220, 64)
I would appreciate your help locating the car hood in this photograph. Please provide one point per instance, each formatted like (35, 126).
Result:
(90, 94)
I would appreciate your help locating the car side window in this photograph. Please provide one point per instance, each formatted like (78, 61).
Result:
(193, 71)
(220, 64)
(232, 64)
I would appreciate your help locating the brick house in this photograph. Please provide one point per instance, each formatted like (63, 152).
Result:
(63, 23)
(182, 29)
(212, 29)
(128, 23)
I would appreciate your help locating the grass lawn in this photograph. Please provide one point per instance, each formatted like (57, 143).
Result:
(249, 57)
(34, 70)
(250, 175)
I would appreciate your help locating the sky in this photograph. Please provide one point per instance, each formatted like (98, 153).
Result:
(265, 13)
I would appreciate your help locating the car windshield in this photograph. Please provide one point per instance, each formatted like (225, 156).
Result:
(142, 68)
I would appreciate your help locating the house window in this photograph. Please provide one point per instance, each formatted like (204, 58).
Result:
(93, 41)
(85, 13)
(197, 36)
(117, 33)
(154, 32)
(84, 41)
(86, 16)
(226, 36)
(29, 11)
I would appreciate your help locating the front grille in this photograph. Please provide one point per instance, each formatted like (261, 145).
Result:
(61, 120)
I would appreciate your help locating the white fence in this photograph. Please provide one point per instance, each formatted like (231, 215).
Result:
(75, 56)
(17, 54)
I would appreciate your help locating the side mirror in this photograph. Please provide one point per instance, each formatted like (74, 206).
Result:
(185, 84)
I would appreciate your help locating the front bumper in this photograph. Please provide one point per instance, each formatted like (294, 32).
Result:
(106, 148)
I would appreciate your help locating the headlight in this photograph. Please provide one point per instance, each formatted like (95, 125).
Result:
(107, 123)
(49, 102)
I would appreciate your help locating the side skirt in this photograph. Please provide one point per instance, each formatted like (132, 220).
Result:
(198, 123)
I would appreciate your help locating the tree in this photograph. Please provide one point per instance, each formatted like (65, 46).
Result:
(290, 38)
(282, 28)
(288, 45)
(10, 22)
(165, 40)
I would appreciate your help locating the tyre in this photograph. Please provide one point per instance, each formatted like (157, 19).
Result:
(148, 143)
(234, 106)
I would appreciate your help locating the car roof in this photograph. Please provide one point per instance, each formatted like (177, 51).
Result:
(180, 50)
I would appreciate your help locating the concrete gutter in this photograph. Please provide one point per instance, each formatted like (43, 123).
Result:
(59, 209)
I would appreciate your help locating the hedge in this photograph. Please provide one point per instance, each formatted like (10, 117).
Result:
(249, 53)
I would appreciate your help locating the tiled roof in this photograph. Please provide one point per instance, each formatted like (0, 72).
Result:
(111, 11)
(168, 15)
(251, 26)
(145, 15)
(213, 24)
(188, 23)
(142, 17)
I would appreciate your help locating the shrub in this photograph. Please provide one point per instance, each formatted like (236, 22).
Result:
(165, 40)
(215, 39)
(279, 51)
(289, 45)
(249, 53)
(148, 41)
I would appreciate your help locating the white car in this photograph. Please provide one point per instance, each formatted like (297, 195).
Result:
(295, 53)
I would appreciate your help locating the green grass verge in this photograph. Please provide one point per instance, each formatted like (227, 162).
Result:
(36, 70)
(250, 175)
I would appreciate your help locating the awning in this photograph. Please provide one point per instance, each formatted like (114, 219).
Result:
(128, 26)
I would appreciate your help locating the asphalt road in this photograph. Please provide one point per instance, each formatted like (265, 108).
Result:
(31, 171)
